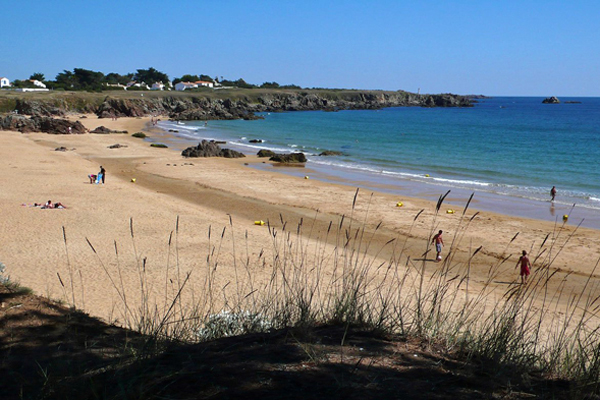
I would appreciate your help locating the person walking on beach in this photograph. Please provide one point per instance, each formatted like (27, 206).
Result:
(552, 193)
(439, 243)
(102, 173)
(525, 267)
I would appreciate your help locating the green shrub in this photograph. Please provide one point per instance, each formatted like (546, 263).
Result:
(140, 135)
(160, 145)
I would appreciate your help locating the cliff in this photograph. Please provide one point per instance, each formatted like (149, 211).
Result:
(224, 104)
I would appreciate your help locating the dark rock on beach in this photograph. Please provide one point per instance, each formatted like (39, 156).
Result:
(551, 100)
(210, 149)
(293, 158)
(105, 130)
(41, 124)
(265, 153)
(255, 141)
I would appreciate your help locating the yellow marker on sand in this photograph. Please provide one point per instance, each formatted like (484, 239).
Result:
(261, 223)
(133, 180)
(399, 204)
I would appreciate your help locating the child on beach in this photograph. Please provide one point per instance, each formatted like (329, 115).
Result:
(525, 267)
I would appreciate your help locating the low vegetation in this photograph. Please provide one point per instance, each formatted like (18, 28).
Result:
(140, 135)
(345, 316)
(159, 145)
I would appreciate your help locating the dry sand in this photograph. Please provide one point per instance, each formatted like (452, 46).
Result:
(207, 195)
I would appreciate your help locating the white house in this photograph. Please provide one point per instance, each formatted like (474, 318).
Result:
(4, 82)
(139, 85)
(205, 84)
(158, 86)
(38, 83)
(185, 85)
(193, 85)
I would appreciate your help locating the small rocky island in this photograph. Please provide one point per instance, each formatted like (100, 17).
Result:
(551, 100)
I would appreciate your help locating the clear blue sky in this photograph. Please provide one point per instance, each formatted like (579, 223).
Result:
(506, 47)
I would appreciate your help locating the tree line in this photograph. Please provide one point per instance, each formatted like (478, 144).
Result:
(94, 81)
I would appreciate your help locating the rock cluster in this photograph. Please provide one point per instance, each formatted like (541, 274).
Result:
(105, 130)
(41, 124)
(551, 100)
(265, 153)
(210, 149)
(202, 107)
(293, 158)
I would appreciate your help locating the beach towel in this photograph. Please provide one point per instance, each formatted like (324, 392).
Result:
(99, 178)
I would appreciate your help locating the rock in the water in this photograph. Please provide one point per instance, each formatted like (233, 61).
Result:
(551, 100)
(331, 153)
(265, 153)
(210, 149)
(292, 158)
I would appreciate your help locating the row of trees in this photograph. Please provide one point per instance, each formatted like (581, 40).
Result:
(84, 79)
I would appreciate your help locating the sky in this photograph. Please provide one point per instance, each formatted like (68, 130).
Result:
(496, 48)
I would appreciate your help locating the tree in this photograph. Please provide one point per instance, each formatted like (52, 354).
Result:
(270, 85)
(37, 76)
(239, 83)
(150, 76)
(79, 79)
(114, 78)
(17, 84)
(206, 78)
(186, 78)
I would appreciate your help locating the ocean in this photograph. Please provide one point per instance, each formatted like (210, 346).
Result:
(508, 151)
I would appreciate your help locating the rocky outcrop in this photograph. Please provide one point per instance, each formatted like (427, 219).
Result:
(265, 153)
(210, 149)
(330, 153)
(551, 100)
(223, 105)
(105, 130)
(293, 158)
(41, 124)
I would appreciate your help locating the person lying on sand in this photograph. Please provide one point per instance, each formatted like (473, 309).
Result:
(49, 205)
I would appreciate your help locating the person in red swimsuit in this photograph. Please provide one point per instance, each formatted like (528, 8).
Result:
(525, 267)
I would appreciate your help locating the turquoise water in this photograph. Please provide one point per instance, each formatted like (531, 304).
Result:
(508, 151)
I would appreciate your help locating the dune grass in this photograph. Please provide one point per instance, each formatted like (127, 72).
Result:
(309, 283)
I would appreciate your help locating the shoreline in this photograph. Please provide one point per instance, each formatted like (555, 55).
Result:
(192, 197)
(506, 204)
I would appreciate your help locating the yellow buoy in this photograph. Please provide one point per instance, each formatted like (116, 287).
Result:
(399, 204)
(306, 177)
(449, 211)
(426, 175)
(565, 217)
(133, 180)
(259, 223)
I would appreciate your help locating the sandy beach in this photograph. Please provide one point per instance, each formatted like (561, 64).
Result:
(182, 210)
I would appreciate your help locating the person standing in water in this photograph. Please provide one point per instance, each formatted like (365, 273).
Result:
(552, 193)
(525, 267)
